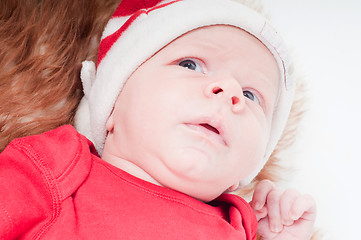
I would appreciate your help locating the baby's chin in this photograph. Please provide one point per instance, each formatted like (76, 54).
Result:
(207, 197)
(200, 191)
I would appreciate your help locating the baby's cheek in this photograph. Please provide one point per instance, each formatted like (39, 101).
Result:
(251, 149)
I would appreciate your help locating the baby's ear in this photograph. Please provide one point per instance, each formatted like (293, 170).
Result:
(234, 187)
(109, 125)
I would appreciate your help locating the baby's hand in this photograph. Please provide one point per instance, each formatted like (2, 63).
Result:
(283, 215)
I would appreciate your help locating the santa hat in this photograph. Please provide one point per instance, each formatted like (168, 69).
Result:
(140, 28)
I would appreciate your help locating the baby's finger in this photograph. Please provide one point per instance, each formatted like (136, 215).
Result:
(303, 207)
(260, 194)
(262, 213)
(286, 202)
(274, 214)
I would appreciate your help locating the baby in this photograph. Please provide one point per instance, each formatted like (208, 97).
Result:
(187, 102)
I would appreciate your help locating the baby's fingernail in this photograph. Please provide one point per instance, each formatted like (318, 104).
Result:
(287, 222)
(294, 216)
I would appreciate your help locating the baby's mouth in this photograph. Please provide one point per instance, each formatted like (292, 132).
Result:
(209, 131)
(209, 127)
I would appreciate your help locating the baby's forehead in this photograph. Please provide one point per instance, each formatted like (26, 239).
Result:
(222, 38)
(207, 31)
(229, 44)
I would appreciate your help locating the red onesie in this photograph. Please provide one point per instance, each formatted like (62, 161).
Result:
(54, 186)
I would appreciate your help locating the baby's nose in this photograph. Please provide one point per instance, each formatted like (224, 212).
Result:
(227, 90)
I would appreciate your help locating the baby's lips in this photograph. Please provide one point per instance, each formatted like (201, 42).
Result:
(208, 131)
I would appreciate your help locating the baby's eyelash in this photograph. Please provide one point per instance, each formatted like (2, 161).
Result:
(188, 63)
(192, 64)
(254, 96)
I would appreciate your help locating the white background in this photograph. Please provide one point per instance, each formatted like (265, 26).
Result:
(326, 39)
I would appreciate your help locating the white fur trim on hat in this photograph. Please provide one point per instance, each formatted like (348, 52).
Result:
(131, 39)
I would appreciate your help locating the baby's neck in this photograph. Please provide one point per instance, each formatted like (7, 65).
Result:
(128, 167)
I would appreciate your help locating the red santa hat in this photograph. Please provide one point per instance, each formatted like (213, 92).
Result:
(140, 28)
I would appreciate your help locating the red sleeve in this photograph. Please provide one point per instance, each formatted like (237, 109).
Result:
(249, 219)
(25, 199)
(241, 215)
(36, 174)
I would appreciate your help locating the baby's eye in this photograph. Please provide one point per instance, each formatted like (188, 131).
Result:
(191, 64)
(251, 96)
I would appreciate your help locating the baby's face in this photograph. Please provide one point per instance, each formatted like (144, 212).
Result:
(196, 116)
